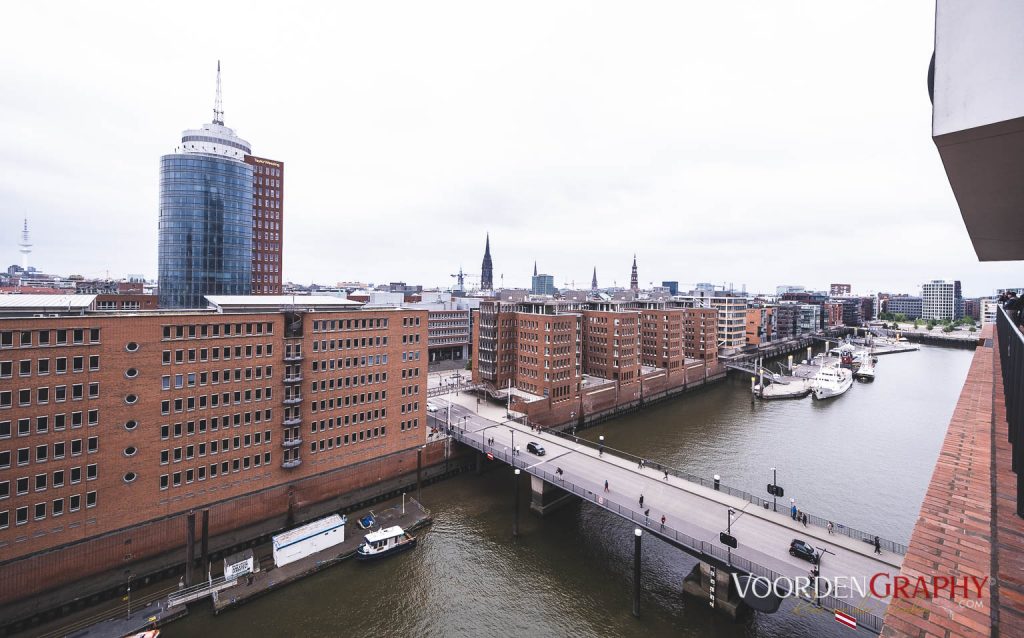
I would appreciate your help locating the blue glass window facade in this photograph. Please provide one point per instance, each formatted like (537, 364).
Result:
(205, 229)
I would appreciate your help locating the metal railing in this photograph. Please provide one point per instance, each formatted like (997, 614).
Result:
(1011, 357)
(819, 521)
(703, 550)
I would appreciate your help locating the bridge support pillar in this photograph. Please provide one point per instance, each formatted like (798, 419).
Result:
(546, 497)
(698, 584)
(479, 463)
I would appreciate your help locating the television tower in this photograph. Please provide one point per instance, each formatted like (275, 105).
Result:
(25, 247)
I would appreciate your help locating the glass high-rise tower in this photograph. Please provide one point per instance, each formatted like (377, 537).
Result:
(206, 208)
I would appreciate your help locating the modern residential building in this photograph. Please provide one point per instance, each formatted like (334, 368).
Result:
(809, 318)
(783, 289)
(972, 308)
(832, 313)
(673, 287)
(787, 320)
(838, 290)
(732, 313)
(114, 425)
(907, 305)
(941, 300)
(267, 224)
(988, 309)
(760, 325)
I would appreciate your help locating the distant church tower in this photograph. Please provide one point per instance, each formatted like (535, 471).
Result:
(593, 282)
(634, 283)
(487, 268)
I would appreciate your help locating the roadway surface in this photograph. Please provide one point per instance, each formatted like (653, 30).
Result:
(763, 536)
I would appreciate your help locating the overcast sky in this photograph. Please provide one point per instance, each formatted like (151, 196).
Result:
(758, 142)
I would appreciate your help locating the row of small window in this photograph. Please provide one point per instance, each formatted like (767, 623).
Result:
(192, 427)
(59, 423)
(217, 354)
(351, 399)
(60, 366)
(411, 407)
(60, 393)
(214, 400)
(39, 511)
(347, 439)
(49, 337)
(40, 482)
(215, 376)
(358, 417)
(45, 452)
(215, 446)
(408, 425)
(325, 345)
(333, 325)
(323, 365)
(409, 373)
(350, 382)
(193, 474)
(411, 356)
(203, 331)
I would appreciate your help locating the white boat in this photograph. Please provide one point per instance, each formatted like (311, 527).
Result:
(385, 542)
(866, 370)
(831, 381)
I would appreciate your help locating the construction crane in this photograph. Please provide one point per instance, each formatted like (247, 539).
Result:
(461, 278)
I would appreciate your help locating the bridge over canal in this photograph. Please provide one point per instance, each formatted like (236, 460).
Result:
(695, 511)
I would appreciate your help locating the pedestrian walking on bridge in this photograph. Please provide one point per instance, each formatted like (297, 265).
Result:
(878, 545)
(606, 485)
(662, 521)
(641, 500)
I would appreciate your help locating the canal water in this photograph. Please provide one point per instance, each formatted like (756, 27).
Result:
(864, 458)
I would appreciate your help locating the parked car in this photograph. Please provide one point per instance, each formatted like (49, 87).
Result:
(535, 448)
(803, 550)
(431, 408)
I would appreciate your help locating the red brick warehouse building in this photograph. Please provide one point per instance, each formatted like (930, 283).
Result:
(114, 425)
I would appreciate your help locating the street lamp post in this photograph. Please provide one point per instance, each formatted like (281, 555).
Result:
(817, 573)
(728, 530)
(129, 595)
(775, 483)
(600, 445)
(513, 446)
(515, 517)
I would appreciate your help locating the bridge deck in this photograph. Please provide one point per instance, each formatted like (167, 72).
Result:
(691, 511)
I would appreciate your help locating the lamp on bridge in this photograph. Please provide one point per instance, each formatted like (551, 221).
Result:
(600, 445)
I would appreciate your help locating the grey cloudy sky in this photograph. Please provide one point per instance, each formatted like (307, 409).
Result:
(750, 142)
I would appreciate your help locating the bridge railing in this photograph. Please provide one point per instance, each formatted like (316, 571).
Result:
(1011, 358)
(701, 549)
(837, 528)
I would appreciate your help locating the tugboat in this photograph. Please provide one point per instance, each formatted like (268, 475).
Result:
(385, 542)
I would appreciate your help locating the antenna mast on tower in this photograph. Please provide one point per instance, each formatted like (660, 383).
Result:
(25, 247)
(218, 106)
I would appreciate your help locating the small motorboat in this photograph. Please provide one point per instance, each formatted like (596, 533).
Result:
(390, 540)
(367, 521)
(866, 371)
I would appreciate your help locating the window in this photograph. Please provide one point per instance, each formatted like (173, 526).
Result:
(90, 499)
(40, 511)
(131, 373)
(91, 472)
(94, 444)
(131, 399)
(58, 507)
(129, 477)
(21, 516)
(131, 425)
(58, 478)
(131, 346)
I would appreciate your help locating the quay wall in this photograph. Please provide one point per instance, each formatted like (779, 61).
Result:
(95, 565)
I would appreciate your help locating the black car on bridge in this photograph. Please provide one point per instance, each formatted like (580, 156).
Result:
(535, 448)
(802, 549)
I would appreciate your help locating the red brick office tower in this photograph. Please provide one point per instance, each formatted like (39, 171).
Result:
(267, 224)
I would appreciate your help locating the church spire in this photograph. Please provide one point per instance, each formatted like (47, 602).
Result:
(634, 282)
(535, 268)
(487, 268)
(593, 282)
